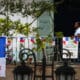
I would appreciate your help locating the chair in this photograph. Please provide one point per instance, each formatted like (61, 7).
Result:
(39, 68)
(29, 57)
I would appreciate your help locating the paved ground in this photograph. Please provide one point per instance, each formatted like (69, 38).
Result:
(9, 74)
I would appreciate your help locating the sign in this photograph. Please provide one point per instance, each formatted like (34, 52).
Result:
(70, 44)
(2, 67)
(2, 57)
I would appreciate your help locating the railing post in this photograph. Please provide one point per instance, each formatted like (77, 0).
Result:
(43, 65)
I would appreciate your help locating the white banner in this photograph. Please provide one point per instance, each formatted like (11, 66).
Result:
(70, 44)
(2, 67)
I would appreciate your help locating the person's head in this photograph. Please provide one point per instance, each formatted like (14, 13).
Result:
(76, 24)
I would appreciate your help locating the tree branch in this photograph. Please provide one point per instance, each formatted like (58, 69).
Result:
(59, 2)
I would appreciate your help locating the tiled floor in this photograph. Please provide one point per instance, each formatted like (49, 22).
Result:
(9, 72)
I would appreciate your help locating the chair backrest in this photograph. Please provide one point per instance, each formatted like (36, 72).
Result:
(28, 55)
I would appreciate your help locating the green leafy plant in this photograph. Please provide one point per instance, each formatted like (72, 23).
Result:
(59, 34)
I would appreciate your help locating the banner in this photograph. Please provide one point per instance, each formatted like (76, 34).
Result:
(2, 57)
(70, 44)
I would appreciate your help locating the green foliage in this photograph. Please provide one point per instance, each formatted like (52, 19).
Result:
(59, 34)
(38, 8)
(5, 26)
(23, 29)
(34, 8)
(40, 44)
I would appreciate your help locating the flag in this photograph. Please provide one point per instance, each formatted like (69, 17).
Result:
(22, 40)
(2, 57)
(65, 40)
(75, 40)
(32, 40)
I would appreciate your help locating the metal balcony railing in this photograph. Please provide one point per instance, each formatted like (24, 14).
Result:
(15, 44)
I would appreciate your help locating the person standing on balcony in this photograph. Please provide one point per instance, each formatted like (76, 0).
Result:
(77, 27)
(77, 34)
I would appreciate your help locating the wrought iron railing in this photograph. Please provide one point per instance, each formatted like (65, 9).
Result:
(15, 44)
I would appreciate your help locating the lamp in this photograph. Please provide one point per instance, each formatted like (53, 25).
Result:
(65, 72)
(23, 72)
